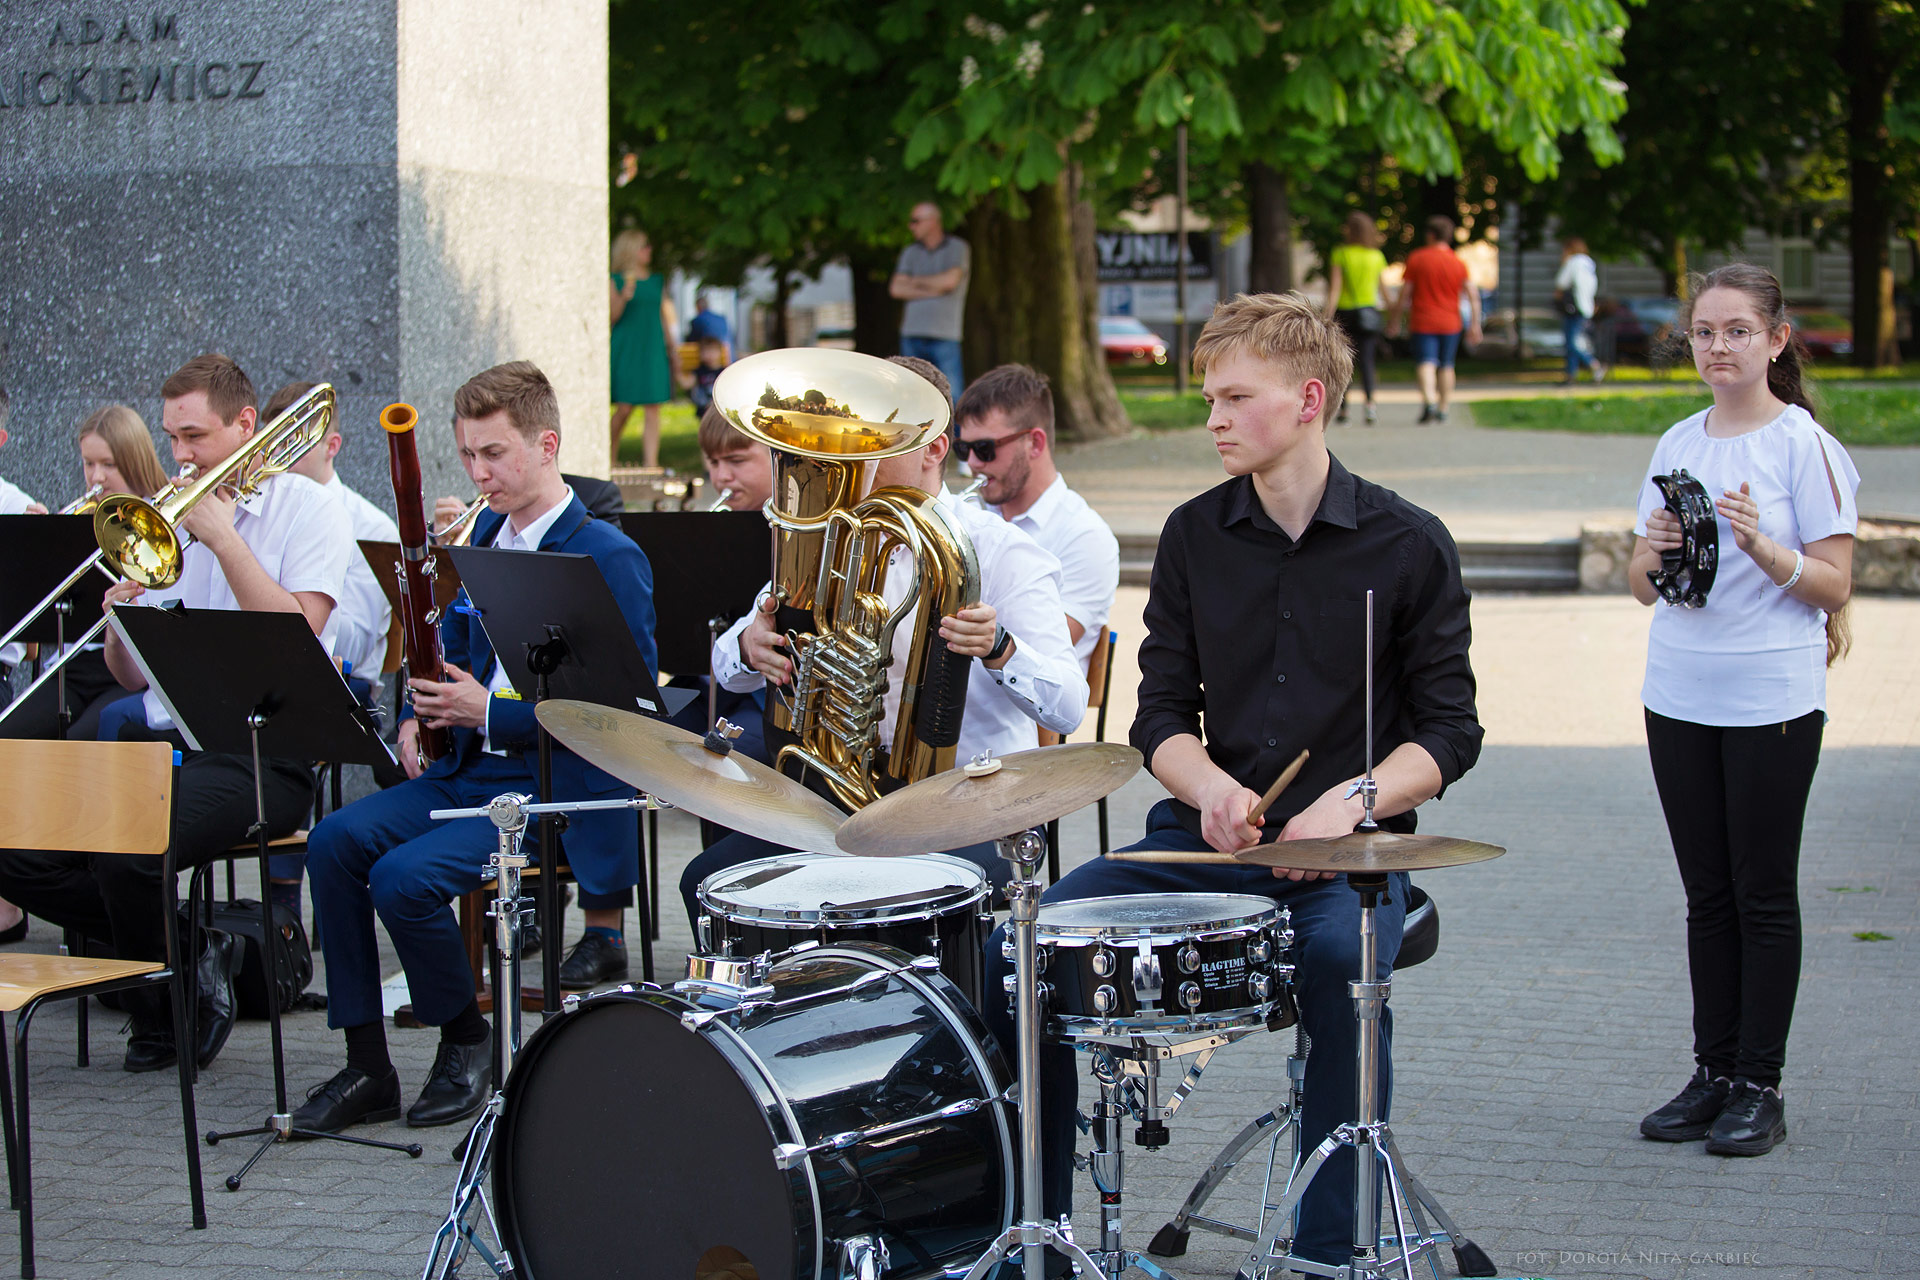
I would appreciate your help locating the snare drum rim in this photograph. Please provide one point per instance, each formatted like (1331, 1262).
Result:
(852, 915)
(1250, 922)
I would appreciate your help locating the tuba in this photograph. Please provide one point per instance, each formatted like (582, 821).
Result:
(828, 416)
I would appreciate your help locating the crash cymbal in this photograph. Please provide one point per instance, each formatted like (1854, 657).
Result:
(1369, 851)
(675, 765)
(957, 808)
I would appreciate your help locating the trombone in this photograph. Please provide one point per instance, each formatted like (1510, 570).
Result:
(97, 560)
(142, 536)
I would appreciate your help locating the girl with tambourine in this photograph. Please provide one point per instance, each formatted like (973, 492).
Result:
(1735, 693)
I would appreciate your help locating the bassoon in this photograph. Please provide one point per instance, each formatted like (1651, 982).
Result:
(425, 660)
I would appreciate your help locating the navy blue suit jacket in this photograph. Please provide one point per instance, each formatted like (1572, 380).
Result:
(602, 847)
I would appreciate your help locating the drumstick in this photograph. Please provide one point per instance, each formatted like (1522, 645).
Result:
(1206, 857)
(1287, 775)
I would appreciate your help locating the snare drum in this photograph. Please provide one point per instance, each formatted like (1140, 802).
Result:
(841, 1111)
(930, 904)
(1165, 963)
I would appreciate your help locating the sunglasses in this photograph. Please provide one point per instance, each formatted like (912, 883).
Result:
(984, 449)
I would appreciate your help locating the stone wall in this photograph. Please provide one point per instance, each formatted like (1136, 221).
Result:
(1886, 558)
(384, 194)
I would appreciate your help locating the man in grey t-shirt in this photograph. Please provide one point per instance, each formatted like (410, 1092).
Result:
(932, 279)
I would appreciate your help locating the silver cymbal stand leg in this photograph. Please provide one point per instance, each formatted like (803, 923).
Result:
(1031, 1234)
(460, 1233)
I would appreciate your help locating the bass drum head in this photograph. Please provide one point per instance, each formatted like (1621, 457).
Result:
(630, 1146)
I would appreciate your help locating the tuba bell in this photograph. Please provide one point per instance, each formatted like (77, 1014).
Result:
(828, 416)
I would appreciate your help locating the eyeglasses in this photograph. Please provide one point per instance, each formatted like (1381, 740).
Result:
(984, 449)
(1738, 337)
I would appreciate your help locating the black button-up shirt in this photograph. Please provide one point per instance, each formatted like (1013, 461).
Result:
(1254, 640)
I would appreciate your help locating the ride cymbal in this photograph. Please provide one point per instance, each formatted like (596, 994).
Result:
(674, 765)
(956, 808)
(1366, 852)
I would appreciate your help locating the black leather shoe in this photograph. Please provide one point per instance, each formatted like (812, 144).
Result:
(1754, 1122)
(351, 1097)
(219, 963)
(594, 959)
(149, 1049)
(1692, 1111)
(457, 1086)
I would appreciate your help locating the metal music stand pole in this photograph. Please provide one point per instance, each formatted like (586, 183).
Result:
(459, 1233)
(1031, 1234)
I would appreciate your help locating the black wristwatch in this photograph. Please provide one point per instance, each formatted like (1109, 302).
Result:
(1001, 639)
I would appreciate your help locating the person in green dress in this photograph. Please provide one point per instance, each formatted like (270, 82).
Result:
(1353, 297)
(643, 321)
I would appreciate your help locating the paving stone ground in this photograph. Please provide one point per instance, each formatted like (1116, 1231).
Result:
(1553, 1017)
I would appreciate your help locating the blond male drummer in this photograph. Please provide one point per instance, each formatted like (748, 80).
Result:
(1254, 651)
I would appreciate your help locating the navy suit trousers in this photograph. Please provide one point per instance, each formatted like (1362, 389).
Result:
(384, 854)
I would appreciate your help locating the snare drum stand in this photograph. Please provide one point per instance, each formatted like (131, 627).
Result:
(1030, 1233)
(510, 912)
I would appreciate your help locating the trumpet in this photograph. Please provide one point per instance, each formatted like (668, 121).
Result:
(460, 531)
(84, 503)
(142, 537)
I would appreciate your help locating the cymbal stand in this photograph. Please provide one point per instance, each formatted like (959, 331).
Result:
(1031, 1234)
(1374, 1151)
(510, 912)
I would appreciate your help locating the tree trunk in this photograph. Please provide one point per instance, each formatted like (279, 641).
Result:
(1673, 272)
(876, 313)
(782, 292)
(1869, 220)
(1270, 213)
(1034, 297)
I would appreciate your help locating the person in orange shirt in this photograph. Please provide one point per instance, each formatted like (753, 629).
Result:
(1436, 281)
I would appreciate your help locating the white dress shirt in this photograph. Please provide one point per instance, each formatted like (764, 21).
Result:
(363, 611)
(12, 503)
(510, 539)
(1061, 521)
(1042, 682)
(299, 534)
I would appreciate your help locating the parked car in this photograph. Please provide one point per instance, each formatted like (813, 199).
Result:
(1540, 327)
(1127, 340)
(1826, 333)
(1640, 326)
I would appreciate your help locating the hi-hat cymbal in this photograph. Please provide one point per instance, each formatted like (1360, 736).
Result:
(676, 766)
(1369, 851)
(953, 809)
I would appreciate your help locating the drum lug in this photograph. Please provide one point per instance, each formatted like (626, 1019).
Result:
(1146, 975)
(569, 1004)
(926, 964)
(1102, 962)
(863, 1257)
(1260, 951)
(1189, 959)
(1105, 998)
(1190, 994)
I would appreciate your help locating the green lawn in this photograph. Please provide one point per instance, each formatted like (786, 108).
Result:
(679, 438)
(1855, 413)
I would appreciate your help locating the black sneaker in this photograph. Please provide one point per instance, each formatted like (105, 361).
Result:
(1426, 414)
(1692, 1111)
(594, 959)
(1754, 1122)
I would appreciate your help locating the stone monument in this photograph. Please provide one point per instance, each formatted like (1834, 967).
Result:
(388, 195)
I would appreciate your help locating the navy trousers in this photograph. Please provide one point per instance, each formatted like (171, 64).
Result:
(1326, 956)
(384, 854)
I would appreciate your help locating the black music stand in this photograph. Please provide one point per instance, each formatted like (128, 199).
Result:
(39, 552)
(707, 568)
(556, 609)
(250, 683)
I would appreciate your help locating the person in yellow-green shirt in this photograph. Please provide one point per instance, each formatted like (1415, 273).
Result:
(1353, 297)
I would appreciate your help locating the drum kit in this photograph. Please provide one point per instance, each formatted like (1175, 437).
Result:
(821, 1099)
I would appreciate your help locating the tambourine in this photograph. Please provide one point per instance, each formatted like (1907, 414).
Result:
(1686, 573)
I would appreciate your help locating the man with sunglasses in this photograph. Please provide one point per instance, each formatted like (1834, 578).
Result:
(1006, 437)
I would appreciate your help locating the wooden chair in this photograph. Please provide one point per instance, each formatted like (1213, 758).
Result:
(128, 791)
(1099, 681)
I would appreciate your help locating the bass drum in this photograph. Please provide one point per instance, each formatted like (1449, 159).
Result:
(781, 1131)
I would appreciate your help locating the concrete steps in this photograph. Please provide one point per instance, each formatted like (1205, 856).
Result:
(1550, 566)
